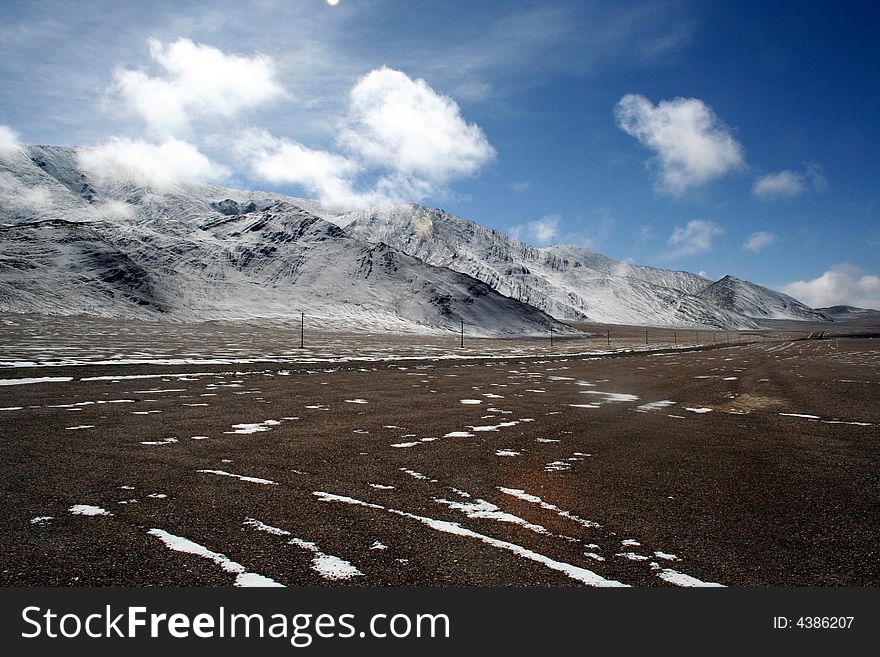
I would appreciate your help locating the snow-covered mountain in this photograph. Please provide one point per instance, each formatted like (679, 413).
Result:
(73, 242)
(80, 239)
(753, 300)
(568, 282)
(852, 315)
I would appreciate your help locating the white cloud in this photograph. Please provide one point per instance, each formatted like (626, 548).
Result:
(327, 175)
(644, 233)
(782, 184)
(520, 186)
(843, 284)
(111, 209)
(158, 164)
(196, 81)
(8, 139)
(17, 196)
(399, 141)
(540, 232)
(691, 144)
(695, 238)
(758, 241)
(404, 125)
(787, 183)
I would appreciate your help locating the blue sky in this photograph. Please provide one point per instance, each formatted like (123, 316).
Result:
(715, 137)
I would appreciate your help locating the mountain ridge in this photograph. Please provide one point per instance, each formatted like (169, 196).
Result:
(193, 251)
(569, 282)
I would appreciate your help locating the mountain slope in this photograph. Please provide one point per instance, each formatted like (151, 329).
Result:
(195, 252)
(568, 282)
(852, 315)
(753, 300)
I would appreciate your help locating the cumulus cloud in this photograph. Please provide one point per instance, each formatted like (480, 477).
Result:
(787, 183)
(695, 238)
(843, 284)
(396, 122)
(327, 175)
(540, 232)
(157, 164)
(758, 241)
(398, 140)
(8, 139)
(691, 144)
(196, 80)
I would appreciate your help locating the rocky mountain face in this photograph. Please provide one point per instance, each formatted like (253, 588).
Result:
(199, 252)
(751, 300)
(75, 240)
(570, 282)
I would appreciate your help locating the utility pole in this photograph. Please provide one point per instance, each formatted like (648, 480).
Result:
(675, 337)
(551, 336)
(608, 337)
(646, 337)
(462, 334)
(302, 330)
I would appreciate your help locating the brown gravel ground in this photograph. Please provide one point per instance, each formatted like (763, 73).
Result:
(742, 494)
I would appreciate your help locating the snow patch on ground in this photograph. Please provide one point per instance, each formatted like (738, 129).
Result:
(611, 397)
(534, 499)
(88, 510)
(39, 379)
(680, 579)
(258, 427)
(487, 511)
(165, 441)
(326, 565)
(653, 406)
(252, 480)
(577, 573)
(242, 579)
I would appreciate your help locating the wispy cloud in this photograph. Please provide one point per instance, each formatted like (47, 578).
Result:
(758, 241)
(161, 164)
(328, 176)
(842, 284)
(520, 186)
(782, 184)
(692, 146)
(590, 231)
(693, 239)
(19, 197)
(787, 183)
(8, 139)
(540, 232)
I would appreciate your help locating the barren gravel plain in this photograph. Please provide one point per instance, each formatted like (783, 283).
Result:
(147, 455)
